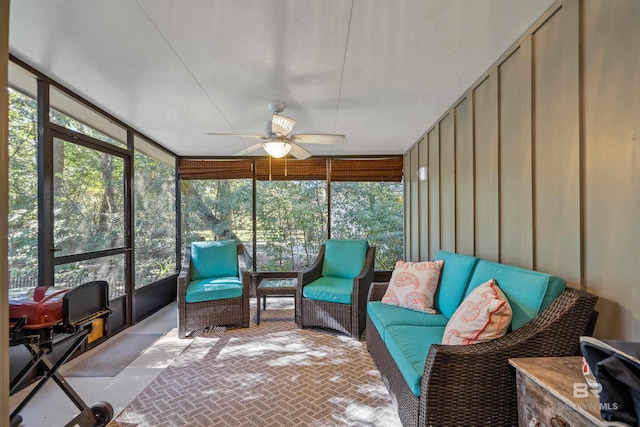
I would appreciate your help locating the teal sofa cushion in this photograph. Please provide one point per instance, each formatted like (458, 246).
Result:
(408, 346)
(526, 290)
(329, 289)
(344, 258)
(454, 278)
(214, 289)
(555, 288)
(384, 315)
(214, 259)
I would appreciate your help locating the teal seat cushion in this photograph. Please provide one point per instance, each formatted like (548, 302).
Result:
(344, 258)
(454, 278)
(214, 289)
(329, 289)
(214, 259)
(526, 290)
(384, 315)
(409, 346)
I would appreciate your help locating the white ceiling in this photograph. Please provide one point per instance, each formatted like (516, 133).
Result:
(378, 71)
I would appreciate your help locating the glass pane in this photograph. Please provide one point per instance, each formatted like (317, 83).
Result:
(155, 219)
(109, 268)
(372, 211)
(218, 210)
(66, 111)
(88, 190)
(291, 223)
(23, 191)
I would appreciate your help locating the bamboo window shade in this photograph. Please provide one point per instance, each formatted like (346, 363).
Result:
(215, 169)
(387, 169)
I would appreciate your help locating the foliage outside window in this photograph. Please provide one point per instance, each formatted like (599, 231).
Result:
(155, 219)
(88, 198)
(371, 211)
(23, 191)
(291, 223)
(109, 268)
(217, 210)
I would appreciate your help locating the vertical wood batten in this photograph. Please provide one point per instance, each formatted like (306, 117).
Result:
(556, 145)
(486, 167)
(415, 211)
(434, 191)
(447, 184)
(423, 198)
(516, 228)
(408, 231)
(464, 178)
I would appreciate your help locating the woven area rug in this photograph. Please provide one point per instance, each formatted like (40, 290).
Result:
(268, 375)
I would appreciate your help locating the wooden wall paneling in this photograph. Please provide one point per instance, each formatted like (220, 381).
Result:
(556, 151)
(611, 129)
(486, 168)
(465, 218)
(408, 232)
(423, 198)
(448, 183)
(516, 197)
(433, 138)
(415, 208)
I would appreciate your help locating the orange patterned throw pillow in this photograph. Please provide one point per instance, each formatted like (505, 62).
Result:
(413, 285)
(484, 315)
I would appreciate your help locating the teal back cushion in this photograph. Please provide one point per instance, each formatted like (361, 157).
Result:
(526, 290)
(454, 277)
(344, 258)
(214, 259)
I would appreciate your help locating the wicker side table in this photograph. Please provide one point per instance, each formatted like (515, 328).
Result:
(273, 287)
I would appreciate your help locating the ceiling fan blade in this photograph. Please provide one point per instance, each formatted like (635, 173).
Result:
(237, 134)
(299, 152)
(248, 150)
(319, 139)
(281, 124)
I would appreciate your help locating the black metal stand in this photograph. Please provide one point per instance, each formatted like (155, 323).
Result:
(98, 414)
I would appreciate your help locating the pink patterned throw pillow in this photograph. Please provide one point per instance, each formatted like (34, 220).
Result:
(413, 285)
(484, 315)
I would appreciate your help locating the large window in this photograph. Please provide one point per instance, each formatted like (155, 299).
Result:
(23, 191)
(154, 214)
(372, 211)
(217, 209)
(291, 223)
(292, 212)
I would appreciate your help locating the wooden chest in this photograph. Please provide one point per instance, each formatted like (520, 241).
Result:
(552, 392)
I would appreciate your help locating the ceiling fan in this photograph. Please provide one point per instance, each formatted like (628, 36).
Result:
(278, 142)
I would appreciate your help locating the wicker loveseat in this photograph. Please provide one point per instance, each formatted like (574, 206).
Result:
(465, 385)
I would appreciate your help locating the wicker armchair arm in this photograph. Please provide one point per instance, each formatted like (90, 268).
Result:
(377, 291)
(185, 274)
(362, 282)
(313, 272)
(483, 370)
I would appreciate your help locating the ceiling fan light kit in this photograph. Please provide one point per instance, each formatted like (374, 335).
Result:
(277, 149)
(278, 143)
